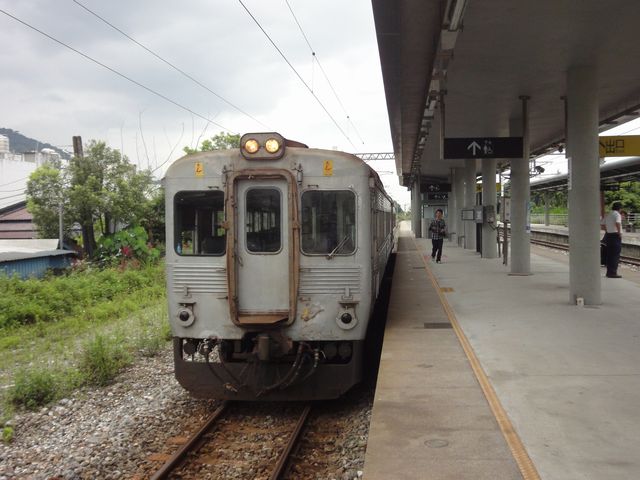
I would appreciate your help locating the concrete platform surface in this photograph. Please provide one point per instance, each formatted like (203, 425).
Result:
(430, 419)
(568, 376)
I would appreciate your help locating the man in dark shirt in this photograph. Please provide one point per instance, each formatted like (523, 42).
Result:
(438, 231)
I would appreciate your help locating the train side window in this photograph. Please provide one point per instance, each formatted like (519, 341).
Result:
(199, 223)
(263, 226)
(328, 222)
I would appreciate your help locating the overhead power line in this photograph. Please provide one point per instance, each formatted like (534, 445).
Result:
(12, 191)
(164, 97)
(315, 56)
(182, 72)
(296, 72)
(14, 181)
(12, 196)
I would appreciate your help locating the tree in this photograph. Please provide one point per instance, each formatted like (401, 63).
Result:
(221, 141)
(100, 189)
(628, 195)
(44, 196)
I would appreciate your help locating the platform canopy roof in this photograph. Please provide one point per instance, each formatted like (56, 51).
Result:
(480, 56)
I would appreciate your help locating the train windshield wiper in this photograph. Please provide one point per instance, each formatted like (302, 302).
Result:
(338, 247)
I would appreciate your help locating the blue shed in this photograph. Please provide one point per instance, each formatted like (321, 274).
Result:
(31, 262)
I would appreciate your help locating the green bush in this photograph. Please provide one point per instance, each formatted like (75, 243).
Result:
(51, 299)
(102, 359)
(33, 388)
(150, 345)
(7, 434)
(126, 246)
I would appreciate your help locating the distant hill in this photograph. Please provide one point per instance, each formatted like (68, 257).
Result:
(18, 143)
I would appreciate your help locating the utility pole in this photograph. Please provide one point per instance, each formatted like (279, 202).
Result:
(77, 151)
(86, 224)
(77, 147)
(60, 229)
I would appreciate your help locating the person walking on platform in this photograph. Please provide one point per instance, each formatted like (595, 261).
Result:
(612, 223)
(438, 231)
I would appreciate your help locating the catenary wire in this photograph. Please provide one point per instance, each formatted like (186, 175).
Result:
(296, 72)
(164, 97)
(315, 56)
(182, 72)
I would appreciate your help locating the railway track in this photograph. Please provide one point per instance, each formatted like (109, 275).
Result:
(564, 247)
(201, 443)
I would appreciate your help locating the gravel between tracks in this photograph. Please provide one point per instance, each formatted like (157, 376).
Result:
(110, 433)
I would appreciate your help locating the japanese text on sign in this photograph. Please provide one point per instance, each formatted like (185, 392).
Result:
(623, 146)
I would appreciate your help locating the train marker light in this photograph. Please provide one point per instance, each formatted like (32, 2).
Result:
(186, 315)
(251, 145)
(272, 145)
(346, 318)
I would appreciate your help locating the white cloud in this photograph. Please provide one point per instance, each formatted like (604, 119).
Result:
(50, 93)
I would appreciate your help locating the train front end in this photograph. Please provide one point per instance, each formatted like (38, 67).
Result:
(269, 273)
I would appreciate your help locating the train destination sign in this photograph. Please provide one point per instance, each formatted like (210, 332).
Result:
(483, 147)
(623, 146)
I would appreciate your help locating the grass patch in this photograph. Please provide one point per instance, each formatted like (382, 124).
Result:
(89, 293)
(102, 359)
(7, 434)
(46, 360)
(38, 386)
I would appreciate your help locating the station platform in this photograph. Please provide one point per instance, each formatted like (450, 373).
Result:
(484, 375)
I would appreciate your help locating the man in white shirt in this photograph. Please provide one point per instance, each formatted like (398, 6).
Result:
(612, 223)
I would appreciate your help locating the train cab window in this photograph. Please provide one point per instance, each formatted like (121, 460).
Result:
(328, 222)
(199, 223)
(262, 220)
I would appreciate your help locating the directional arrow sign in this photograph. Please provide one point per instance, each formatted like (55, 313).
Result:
(483, 147)
(436, 187)
(473, 146)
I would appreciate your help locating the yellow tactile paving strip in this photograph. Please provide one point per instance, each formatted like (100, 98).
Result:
(520, 455)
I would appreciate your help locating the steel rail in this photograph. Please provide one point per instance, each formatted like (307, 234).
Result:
(285, 454)
(164, 471)
(561, 246)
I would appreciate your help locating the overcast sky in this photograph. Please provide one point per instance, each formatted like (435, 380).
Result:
(51, 93)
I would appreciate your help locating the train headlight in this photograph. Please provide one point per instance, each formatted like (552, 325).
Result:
(262, 146)
(272, 145)
(251, 145)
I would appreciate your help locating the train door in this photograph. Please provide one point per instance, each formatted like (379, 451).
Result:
(263, 250)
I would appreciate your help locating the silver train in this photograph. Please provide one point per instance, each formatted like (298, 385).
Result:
(275, 254)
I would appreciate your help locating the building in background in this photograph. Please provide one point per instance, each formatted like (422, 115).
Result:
(15, 170)
(17, 222)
